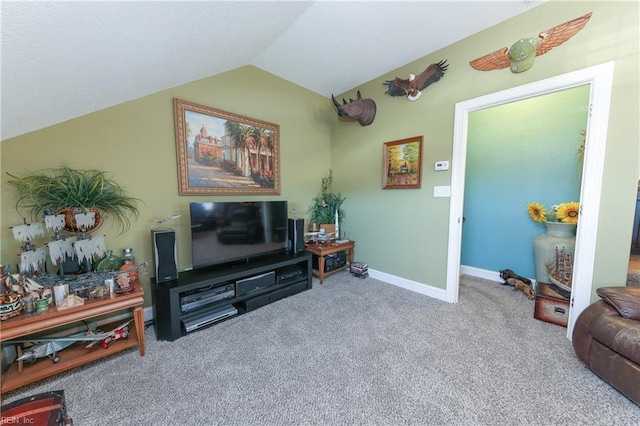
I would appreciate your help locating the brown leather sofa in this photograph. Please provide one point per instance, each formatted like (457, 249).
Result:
(606, 337)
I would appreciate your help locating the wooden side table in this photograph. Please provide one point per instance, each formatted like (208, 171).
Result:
(320, 250)
(75, 355)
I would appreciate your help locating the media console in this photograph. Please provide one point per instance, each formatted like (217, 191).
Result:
(202, 297)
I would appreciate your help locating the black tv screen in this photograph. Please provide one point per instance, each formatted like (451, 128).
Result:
(223, 232)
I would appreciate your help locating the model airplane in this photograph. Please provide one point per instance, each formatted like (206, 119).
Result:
(320, 236)
(120, 332)
(50, 346)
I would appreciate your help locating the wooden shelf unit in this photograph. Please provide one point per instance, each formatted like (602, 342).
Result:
(321, 250)
(76, 354)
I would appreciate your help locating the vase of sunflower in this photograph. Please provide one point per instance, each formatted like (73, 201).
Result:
(554, 249)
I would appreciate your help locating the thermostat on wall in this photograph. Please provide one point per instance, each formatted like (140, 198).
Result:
(442, 165)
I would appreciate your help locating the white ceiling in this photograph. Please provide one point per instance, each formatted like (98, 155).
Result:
(61, 60)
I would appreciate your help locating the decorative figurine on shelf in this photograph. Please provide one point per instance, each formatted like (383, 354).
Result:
(50, 346)
(11, 306)
(70, 301)
(129, 263)
(61, 247)
(124, 283)
(32, 259)
(47, 347)
(120, 332)
(11, 303)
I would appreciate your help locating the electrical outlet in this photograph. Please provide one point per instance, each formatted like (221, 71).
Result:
(442, 191)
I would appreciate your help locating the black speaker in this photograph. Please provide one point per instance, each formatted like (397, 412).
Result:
(295, 235)
(165, 254)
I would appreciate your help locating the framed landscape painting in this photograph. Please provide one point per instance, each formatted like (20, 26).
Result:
(220, 153)
(402, 164)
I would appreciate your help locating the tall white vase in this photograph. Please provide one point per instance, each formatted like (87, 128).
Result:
(558, 235)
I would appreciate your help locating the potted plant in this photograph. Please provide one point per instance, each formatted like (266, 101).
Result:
(70, 191)
(326, 204)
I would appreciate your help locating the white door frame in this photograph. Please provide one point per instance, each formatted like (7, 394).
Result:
(600, 77)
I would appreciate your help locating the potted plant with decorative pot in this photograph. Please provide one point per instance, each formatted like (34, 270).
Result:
(326, 208)
(69, 191)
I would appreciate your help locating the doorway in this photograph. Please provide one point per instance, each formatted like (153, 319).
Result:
(518, 153)
(600, 79)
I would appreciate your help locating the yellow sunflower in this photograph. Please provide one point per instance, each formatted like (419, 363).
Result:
(537, 212)
(568, 212)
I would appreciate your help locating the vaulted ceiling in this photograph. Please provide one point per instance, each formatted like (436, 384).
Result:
(61, 60)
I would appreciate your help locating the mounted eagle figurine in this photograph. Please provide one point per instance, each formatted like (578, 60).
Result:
(362, 110)
(411, 87)
(521, 55)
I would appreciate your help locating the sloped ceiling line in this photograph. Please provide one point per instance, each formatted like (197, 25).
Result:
(62, 60)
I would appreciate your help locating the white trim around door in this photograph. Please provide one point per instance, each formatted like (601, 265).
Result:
(600, 78)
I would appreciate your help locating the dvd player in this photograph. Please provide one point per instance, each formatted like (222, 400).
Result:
(289, 273)
(197, 300)
(204, 318)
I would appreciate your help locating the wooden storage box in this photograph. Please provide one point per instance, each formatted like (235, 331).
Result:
(45, 409)
(551, 306)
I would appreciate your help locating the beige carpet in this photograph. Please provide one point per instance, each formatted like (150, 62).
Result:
(353, 352)
(633, 275)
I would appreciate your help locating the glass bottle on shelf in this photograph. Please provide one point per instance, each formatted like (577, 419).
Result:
(129, 262)
(111, 262)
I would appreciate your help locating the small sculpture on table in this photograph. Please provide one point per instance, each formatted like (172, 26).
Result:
(321, 236)
(124, 283)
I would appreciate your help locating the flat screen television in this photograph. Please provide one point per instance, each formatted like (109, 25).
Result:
(229, 231)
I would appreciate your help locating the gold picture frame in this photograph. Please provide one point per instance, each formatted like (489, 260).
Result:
(221, 153)
(402, 164)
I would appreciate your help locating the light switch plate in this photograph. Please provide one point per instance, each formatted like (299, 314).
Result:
(442, 191)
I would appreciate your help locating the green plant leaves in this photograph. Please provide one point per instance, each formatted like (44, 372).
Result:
(326, 203)
(64, 187)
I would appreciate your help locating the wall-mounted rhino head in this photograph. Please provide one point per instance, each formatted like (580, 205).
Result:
(362, 110)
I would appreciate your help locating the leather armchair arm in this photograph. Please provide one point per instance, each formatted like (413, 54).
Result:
(582, 338)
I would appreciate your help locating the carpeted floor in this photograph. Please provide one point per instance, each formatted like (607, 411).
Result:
(353, 351)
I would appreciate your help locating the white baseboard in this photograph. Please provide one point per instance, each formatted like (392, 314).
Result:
(480, 273)
(148, 313)
(431, 291)
(427, 290)
(487, 274)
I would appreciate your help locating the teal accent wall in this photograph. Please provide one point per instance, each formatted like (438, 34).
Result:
(517, 153)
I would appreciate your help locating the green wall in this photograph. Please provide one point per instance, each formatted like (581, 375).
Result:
(136, 142)
(405, 232)
(400, 232)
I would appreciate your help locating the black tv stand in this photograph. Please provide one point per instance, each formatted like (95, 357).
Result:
(203, 297)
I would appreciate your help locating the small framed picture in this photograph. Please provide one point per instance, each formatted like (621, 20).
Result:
(402, 164)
